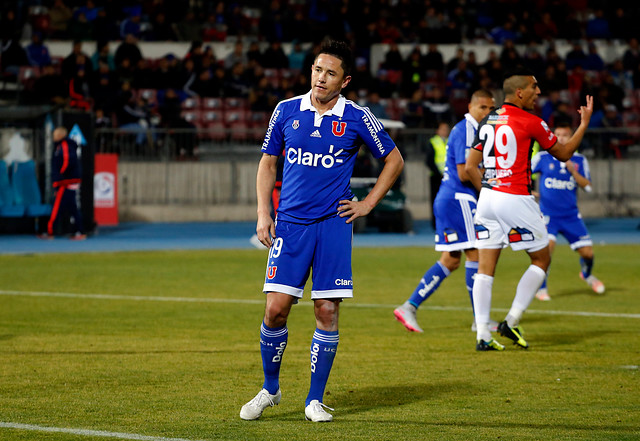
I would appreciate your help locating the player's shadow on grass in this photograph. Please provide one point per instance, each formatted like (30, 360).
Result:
(365, 399)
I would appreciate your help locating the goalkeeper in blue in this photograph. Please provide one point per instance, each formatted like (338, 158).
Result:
(454, 207)
(558, 188)
(319, 134)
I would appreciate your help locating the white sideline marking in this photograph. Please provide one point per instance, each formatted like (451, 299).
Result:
(304, 303)
(86, 432)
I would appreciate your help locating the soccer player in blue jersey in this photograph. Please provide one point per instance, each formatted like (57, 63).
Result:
(558, 188)
(321, 133)
(453, 208)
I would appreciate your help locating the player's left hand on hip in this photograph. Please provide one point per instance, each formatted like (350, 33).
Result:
(353, 209)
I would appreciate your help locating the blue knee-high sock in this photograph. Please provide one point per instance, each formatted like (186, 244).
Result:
(429, 283)
(323, 350)
(470, 270)
(273, 342)
(586, 265)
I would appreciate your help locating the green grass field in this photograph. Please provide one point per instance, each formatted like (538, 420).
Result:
(165, 344)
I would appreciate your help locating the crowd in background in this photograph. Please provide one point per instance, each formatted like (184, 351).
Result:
(420, 88)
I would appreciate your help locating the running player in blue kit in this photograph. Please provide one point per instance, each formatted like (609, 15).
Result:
(558, 188)
(454, 208)
(321, 133)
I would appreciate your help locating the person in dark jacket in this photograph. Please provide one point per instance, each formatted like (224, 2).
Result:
(66, 177)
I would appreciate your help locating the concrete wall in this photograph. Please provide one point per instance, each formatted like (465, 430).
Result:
(225, 190)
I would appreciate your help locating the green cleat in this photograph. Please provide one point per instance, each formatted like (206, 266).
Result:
(490, 345)
(514, 334)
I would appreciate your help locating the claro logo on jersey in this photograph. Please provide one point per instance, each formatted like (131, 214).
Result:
(309, 159)
(559, 184)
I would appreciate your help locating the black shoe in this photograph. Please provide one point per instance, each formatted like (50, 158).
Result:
(490, 345)
(514, 334)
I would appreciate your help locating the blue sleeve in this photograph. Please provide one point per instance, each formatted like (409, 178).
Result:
(457, 142)
(274, 138)
(373, 134)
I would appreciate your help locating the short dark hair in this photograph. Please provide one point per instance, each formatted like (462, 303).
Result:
(340, 50)
(514, 79)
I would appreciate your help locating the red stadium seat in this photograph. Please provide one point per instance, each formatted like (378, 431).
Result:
(193, 116)
(211, 103)
(213, 123)
(233, 103)
(193, 102)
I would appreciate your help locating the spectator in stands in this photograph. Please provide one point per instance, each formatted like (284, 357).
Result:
(561, 116)
(189, 28)
(105, 27)
(296, 56)
(131, 26)
(413, 72)
(437, 108)
(254, 54)
(102, 88)
(161, 30)
(460, 78)
(598, 25)
(37, 52)
(128, 49)
(363, 81)
(631, 56)
(166, 74)
(74, 59)
(509, 56)
(546, 29)
(79, 90)
(453, 62)
(236, 56)
(80, 28)
(500, 34)
(413, 114)
(60, 15)
(622, 24)
(50, 87)
(433, 59)
(576, 56)
(551, 104)
(375, 105)
(274, 56)
(533, 59)
(263, 97)
(623, 78)
(171, 118)
(133, 114)
(236, 84)
(593, 61)
(89, 10)
(393, 59)
(12, 56)
(103, 55)
(195, 54)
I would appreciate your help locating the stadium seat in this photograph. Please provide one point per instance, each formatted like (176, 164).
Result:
(211, 103)
(8, 208)
(193, 116)
(26, 189)
(233, 103)
(258, 122)
(213, 123)
(192, 102)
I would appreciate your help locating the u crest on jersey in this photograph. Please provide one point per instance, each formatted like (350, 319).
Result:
(338, 128)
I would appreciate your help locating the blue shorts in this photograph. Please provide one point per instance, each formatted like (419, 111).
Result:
(324, 247)
(454, 222)
(571, 227)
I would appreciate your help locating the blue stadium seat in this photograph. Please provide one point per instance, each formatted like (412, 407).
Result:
(8, 207)
(26, 189)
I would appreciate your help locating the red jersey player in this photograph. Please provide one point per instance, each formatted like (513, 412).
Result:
(507, 214)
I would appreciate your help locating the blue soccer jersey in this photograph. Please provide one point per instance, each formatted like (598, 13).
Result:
(558, 189)
(320, 153)
(458, 145)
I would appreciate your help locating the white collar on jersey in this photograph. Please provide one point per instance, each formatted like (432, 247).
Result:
(472, 120)
(338, 108)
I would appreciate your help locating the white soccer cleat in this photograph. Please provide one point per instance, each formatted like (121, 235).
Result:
(595, 284)
(254, 408)
(493, 326)
(316, 412)
(543, 295)
(406, 314)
